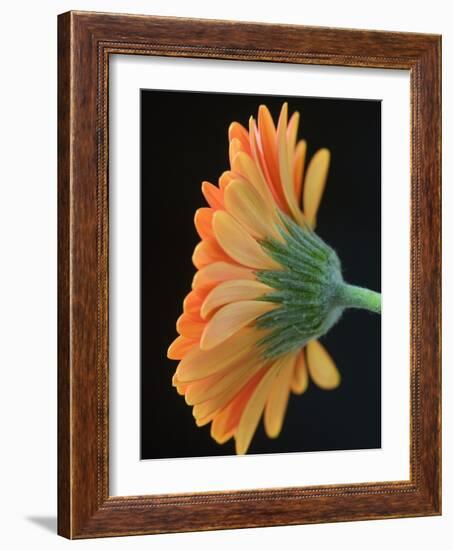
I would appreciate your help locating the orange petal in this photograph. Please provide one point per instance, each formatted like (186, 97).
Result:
(258, 158)
(211, 407)
(190, 326)
(237, 131)
(232, 378)
(230, 319)
(193, 302)
(253, 411)
(180, 346)
(217, 272)
(232, 291)
(321, 367)
(277, 402)
(203, 222)
(299, 383)
(181, 387)
(315, 181)
(239, 244)
(227, 420)
(207, 252)
(213, 195)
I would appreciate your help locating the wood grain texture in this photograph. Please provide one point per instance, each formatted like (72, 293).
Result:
(64, 371)
(86, 40)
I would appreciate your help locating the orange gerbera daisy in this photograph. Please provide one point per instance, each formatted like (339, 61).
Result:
(267, 287)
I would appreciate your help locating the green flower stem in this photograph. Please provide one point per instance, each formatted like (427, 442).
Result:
(358, 297)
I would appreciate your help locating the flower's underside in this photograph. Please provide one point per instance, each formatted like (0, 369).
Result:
(248, 333)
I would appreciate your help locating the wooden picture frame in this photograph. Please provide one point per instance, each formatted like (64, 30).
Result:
(85, 42)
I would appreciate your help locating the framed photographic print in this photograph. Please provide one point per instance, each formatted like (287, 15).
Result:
(249, 275)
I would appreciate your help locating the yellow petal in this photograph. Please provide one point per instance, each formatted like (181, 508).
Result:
(321, 367)
(252, 412)
(232, 291)
(205, 420)
(237, 131)
(293, 126)
(299, 383)
(225, 179)
(277, 402)
(217, 272)
(246, 205)
(315, 181)
(234, 149)
(217, 384)
(285, 166)
(244, 166)
(239, 244)
(199, 390)
(230, 319)
(200, 363)
(298, 168)
(180, 386)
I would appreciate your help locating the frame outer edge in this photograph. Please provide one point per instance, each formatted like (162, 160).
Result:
(438, 180)
(64, 341)
(427, 274)
(434, 65)
(82, 509)
(80, 453)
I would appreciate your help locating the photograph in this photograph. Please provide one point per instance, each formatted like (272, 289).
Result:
(260, 274)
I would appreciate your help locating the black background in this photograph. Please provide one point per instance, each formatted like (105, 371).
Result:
(183, 142)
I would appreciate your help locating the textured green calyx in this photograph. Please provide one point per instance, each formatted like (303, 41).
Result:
(307, 288)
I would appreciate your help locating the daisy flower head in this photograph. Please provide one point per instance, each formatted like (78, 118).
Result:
(267, 287)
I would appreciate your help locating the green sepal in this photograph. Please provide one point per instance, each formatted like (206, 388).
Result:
(305, 288)
(309, 288)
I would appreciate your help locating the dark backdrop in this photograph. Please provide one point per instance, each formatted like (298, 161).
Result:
(184, 141)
